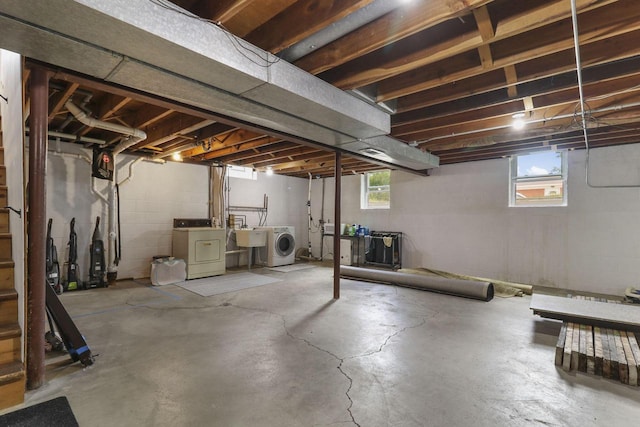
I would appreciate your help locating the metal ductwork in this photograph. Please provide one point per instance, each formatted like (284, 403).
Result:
(351, 22)
(152, 47)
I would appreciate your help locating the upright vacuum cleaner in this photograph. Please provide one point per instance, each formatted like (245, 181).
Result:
(97, 262)
(72, 267)
(52, 265)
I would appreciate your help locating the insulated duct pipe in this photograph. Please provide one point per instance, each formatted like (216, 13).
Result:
(462, 288)
(70, 137)
(135, 136)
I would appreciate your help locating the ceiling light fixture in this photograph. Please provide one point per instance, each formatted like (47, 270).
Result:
(177, 157)
(269, 171)
(518, 121)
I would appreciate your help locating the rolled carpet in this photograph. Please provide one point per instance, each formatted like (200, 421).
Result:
(464, 288)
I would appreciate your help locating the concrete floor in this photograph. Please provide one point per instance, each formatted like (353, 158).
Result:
(286, 354)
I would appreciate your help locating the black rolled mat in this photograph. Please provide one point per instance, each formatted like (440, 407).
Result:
(55, 412)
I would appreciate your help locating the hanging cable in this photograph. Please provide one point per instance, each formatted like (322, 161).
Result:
(244, 48)
(583, 109)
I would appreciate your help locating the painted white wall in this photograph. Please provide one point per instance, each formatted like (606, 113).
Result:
(12, 139)
(458, 220)
(155, 195)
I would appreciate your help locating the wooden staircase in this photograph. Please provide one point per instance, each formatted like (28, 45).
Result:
(12, 375)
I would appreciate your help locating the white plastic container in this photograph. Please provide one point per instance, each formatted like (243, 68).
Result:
(167, 271)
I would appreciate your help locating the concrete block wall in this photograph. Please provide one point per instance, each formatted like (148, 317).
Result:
(458, 220)
(155, 194)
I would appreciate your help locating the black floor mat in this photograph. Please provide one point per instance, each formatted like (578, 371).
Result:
(55, 412)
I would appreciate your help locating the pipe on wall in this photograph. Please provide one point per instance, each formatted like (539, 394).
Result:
(137, 135)
(462, 288)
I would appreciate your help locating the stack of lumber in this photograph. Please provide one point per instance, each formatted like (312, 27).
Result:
(610, 353)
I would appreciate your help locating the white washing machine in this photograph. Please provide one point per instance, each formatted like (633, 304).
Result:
(281, 246)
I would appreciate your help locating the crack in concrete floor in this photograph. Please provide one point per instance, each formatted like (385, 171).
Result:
(339, 359)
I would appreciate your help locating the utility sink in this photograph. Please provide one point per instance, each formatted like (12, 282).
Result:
(248, 238)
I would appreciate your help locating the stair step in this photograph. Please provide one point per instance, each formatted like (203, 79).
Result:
(12, 384)
(3, 175)
(1, 155)
(8, 306)
(10, 372)
(5, 245)
(11, 330)
(6, 274)
(4, 219)
(10, 343)
(8, 295)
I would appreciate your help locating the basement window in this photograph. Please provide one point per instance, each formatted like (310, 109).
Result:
(376, 190)
(538, 179)
(241, 172)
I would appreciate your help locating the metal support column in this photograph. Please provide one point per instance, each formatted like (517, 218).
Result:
(36, 229)
(336, 234)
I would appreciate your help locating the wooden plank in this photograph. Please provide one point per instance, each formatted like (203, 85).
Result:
(566, 359)
(635, 349)
(591, 360)
(622, 316)
(562, 337)
(221, 10)
(512, 78)
(632, 370)
(483, 21)
(486, 58)
(623, 367)
(606, 354)
(582, 355)
(597, 348)
(436, 74)
(299, 21)
(575, 347)
(613, 355)
(376, 34)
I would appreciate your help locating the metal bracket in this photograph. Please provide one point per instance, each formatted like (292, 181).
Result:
(6, 99)
(18, 211)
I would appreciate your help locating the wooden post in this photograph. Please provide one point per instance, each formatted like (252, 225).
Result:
(337, 232)
(36, 229)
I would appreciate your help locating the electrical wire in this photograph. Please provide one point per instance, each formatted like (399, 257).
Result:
(244, 48)
(583, 104)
